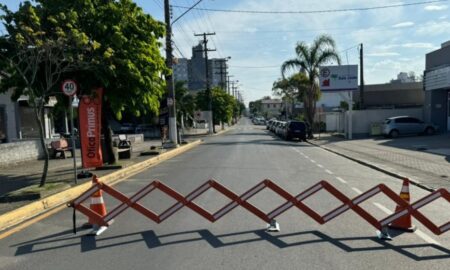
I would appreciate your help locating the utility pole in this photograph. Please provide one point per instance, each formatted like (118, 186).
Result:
(208, 89)
(169, 77)
(361, 87)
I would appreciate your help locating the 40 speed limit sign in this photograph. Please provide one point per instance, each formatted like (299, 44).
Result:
(69, 87)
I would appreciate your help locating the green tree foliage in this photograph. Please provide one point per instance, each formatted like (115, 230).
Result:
(36, 51)
(185, 101)
(307, 61)
(255, 107)
(100, 43)
(293, 88)
(223, 104)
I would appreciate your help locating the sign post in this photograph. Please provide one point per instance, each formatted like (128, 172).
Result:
(69, 88)
(343, 78)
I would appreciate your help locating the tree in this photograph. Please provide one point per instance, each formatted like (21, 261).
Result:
(185, 101)
(308, 60)
(127, 61)
(223, 104)
(100, 43)
(293, 88)
(35, 53)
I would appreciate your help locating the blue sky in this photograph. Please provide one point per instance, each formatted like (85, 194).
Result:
(395, 39)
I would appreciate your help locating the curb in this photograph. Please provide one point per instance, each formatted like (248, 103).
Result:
(223, 131)
(376, 167)
(36, 208)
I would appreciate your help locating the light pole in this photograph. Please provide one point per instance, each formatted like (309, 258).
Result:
(169, 78)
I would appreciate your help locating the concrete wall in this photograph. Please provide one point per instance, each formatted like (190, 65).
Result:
(11, 153)
(362, 120)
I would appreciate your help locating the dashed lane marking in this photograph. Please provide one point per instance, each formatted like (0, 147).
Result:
(319, 165)
(313, 161)
(341, 180)
(418, 232)
(357, 190)
(328, 171)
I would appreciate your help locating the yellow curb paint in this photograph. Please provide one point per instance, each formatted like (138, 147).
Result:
(56, 202)
(31, 221)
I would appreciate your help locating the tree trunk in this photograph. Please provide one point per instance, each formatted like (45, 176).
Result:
(108, 155)
(39, 118)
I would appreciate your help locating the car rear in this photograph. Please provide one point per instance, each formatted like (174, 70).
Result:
(296, 130)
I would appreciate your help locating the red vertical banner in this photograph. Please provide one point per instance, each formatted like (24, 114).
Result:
(90, 115)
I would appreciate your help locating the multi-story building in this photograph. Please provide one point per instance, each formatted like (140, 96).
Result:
(193, 71)
(180, 70)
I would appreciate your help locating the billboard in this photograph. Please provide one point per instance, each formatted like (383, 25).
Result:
(89, 113)
(338, 78)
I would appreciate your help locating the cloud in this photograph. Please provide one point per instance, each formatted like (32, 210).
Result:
(434, 28)
(382, 54)
(436, 7)
(403, 24)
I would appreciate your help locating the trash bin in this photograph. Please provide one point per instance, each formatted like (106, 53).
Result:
(375, 129)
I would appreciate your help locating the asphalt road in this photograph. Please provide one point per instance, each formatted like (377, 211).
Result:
(239, 159)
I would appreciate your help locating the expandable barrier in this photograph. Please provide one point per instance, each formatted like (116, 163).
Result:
(403, 207)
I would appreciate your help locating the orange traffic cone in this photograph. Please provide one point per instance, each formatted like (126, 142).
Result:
(404, 223)
(97, 204)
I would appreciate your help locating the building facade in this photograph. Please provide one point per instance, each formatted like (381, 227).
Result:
(193, 72)
(437, 87)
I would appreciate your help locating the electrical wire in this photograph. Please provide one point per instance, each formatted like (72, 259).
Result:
(316, 11)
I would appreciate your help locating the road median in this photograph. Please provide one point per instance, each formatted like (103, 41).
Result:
(39, 207)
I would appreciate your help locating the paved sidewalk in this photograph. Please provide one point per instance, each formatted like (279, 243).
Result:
(423, 159)
(60, 170)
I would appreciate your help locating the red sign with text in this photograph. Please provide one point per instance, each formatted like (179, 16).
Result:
(89, 113)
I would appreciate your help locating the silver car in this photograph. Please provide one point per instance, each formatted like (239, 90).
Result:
(406, 125)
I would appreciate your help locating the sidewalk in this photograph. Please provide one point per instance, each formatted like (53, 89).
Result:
(425, 160)
(60, 171)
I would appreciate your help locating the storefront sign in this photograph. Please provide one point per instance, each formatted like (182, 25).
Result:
(437, 79)
(89, 111)
(338, 78)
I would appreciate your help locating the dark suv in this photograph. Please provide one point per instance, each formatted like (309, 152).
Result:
(296, 129)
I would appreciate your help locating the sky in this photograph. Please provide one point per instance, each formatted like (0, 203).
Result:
(395, 39)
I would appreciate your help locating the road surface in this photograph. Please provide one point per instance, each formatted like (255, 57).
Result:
(239, 159)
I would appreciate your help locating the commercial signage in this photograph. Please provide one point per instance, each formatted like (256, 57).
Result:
(89, 112)
(437, 79)
(338, 78)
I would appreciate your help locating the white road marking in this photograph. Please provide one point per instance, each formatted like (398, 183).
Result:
(312, 160)
(341, 180)
(383, 208)
(319, 165)
(306, 156)
(418, 232)
(357, 190)
(328, 171)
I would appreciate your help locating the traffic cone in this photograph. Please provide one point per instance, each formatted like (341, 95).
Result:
(97, 205)
(404, 223)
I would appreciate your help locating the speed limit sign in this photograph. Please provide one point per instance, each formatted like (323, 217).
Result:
(69, 87)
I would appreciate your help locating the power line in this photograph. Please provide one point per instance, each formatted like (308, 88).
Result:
(317, 11)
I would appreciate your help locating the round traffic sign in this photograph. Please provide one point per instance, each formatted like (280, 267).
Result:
(69, 87)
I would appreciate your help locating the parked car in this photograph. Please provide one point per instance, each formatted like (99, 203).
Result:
(404, 125)
(273, 125)
(295, 130)
(280, 128)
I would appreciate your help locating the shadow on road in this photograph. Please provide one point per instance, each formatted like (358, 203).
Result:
(153, 241)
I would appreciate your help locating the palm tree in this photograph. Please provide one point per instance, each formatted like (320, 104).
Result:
(185, 101)
(308, 60)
